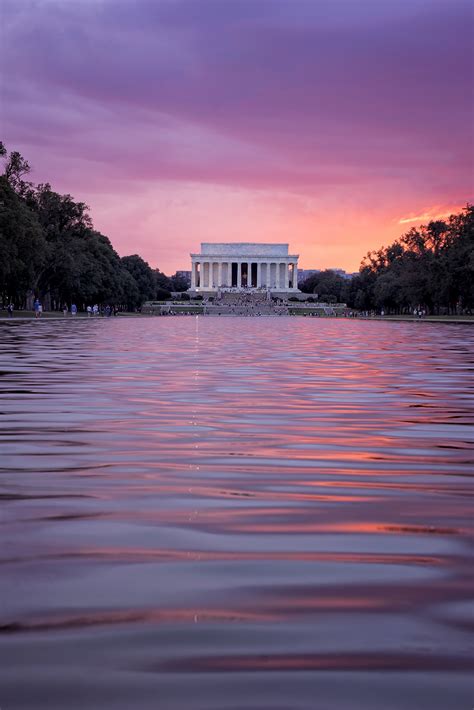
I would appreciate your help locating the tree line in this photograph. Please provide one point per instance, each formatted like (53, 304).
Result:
(50, 250)
(430, 267)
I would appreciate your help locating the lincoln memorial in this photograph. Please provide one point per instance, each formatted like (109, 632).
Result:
(244, 265)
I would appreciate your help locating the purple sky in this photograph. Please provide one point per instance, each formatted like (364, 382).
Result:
(334, 124)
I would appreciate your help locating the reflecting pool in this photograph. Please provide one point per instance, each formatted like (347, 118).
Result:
(236, 513)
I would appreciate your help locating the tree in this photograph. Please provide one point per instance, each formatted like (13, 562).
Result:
(15, 168)
(430, 266)
(178, 283)
(22, 245)
(162, 294)
(49, 245)
(325, 283)
(162, 282)
(144, 279)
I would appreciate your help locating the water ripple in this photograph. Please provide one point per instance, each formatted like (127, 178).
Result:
(236, 498)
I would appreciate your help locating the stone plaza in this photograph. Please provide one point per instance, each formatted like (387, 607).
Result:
(244, 266)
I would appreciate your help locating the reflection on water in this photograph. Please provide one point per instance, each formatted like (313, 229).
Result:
(228, 513)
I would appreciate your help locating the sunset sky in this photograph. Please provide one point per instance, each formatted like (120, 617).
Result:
(334, 125)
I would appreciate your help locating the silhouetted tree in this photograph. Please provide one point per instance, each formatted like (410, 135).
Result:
(429, 267)
(22, 246)
(325, 283)
(49, 248)
(143, 276)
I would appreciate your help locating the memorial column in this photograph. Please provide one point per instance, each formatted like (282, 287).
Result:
(259, 274)
(219, 274)
(287, 280)
(193, 274)
(239, 274)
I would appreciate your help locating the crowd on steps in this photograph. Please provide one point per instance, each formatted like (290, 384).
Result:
(245, 304)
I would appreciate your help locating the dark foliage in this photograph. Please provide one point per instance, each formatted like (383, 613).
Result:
(430, 268)
(162, 294)
(178, 283)
(144, 278)
(49, 249)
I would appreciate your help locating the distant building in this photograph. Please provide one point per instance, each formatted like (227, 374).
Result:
(304, 274)
(344, 274)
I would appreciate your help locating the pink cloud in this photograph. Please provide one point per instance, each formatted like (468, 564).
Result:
(316, 123)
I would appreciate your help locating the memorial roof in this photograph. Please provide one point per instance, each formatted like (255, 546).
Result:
(243, 249)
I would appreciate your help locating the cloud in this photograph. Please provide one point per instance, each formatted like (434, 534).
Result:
(431, 214)
(366, 102)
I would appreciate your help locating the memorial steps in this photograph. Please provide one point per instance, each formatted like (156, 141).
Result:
(253, 303)
(244, 303)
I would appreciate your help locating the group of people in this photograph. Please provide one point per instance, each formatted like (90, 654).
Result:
(251, 303)
(361, 314)
(92, 311)
(173, 313)
(73, 309)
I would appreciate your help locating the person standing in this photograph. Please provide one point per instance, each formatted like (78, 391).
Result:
(37, 306)
(65, 310)
(10, 310)
(73, 309)
(89, 311)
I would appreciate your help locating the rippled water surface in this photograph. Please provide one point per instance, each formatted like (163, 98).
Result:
(229, 513)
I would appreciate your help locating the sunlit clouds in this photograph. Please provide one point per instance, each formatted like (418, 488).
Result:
(431, 214)
(330, 125)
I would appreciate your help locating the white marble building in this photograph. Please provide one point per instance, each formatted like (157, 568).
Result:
(244, 265)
